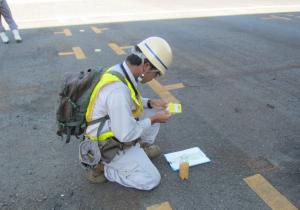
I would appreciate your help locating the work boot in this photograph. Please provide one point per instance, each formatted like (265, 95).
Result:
(152, 151)
(17, 36)
(96, 175)
(4, 38)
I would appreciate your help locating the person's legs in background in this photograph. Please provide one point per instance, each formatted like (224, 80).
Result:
(3, 35)
(6, 13)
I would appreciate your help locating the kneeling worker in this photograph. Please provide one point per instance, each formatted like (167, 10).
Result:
(127, 124)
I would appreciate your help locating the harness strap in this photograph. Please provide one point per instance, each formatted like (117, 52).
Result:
(77, 129)
(102, 122)
(68, 135)
(94, 122)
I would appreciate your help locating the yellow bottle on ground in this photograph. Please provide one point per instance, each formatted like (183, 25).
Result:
(184, 170)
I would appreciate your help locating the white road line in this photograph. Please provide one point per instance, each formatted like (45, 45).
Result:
(277, 17)
(229, 10)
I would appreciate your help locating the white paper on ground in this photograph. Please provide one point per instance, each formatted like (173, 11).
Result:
(193, 156)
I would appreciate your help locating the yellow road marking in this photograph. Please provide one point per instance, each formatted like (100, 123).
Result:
(274, 199)
(98, 30)
(174, 86)
(162, 91)
(118, 49)
(276, 17)
(127, 47)
(160, 206)
(66, 31)
(79, 54)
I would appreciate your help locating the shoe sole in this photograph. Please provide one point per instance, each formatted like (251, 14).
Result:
(96, 179)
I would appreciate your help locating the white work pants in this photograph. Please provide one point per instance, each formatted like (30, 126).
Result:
(132, 167)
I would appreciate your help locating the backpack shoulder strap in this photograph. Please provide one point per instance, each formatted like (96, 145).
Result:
(119, 75)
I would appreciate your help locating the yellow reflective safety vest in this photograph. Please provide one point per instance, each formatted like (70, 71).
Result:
(108, 77)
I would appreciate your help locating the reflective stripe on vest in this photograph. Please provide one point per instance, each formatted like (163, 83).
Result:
(102, 137)
(106, 79)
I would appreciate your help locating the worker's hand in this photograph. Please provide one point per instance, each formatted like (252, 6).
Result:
(158, 103)
(160, 117)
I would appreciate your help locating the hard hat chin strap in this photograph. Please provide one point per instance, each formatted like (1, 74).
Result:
(139, 54)
(143, 57)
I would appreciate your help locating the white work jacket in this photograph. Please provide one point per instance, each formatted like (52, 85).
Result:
(115, 101)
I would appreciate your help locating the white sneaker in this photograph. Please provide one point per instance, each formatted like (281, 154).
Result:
(17, 35)
(4, 38)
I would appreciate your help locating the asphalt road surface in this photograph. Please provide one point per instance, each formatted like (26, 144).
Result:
(241, 106)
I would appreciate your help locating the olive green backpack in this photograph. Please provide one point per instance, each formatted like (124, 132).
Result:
(73, 101)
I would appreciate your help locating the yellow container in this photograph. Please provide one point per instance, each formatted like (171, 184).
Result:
(184, 170)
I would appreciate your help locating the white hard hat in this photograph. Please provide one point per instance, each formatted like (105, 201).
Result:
(158, 52)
